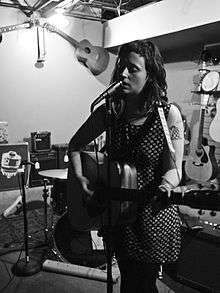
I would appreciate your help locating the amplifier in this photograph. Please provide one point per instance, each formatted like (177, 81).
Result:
(40, 141)
(199, 266)
(47, 161)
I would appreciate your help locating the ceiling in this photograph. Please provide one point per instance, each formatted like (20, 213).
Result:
(98, 10)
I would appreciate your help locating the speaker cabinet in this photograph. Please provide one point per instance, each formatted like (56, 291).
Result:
(199, 264)
(40, 141)
(9, 179)
(47, 161)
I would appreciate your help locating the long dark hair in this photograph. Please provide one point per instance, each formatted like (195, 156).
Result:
(156, 85)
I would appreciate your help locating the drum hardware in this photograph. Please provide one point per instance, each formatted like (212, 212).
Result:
(57, 202)
(45, 196)
(58, 191)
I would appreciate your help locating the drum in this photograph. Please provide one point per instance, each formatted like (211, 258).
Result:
(75, 247)
(210, 81)
(58, 196)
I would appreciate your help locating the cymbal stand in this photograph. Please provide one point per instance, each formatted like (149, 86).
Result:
(45, 197)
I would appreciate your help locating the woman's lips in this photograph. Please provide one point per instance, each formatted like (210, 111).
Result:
(125, 85)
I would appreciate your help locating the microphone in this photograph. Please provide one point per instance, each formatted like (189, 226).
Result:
(112, 88)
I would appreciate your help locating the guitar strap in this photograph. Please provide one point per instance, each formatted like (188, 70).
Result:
(165, 128)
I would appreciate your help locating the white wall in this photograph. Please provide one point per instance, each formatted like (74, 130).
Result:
(56, 97)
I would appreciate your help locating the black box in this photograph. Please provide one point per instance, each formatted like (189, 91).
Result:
(40, 141)
(10, 180)
(199, 266)
(47, 161)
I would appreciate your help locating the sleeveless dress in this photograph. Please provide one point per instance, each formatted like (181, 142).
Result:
(151, 238)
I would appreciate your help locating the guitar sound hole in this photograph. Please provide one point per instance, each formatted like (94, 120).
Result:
(87, 50)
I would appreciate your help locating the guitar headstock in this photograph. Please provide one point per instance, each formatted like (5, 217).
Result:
(206, 199)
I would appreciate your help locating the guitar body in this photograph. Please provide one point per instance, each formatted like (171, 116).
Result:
(214, 128)
(94, 57)
(201, 164)
(121, 176)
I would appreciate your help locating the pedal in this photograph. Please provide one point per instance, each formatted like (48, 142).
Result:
(13, 208)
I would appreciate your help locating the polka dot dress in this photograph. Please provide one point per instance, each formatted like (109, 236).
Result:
(151, 238)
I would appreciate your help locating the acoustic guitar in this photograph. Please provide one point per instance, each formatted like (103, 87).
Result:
(201, 164)
(95, 58)
(214, 128)
(96, 170)
(122, 211)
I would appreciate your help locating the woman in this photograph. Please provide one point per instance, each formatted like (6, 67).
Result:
(138, 137)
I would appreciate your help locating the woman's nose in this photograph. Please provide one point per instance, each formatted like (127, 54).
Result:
(124, 72)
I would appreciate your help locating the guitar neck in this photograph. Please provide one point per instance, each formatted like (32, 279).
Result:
(204, 102)
(201, 127)
(67, 38)
(204, 199)
(9, 28)
(200, 199)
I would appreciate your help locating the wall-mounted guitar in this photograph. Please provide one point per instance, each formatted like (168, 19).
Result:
(201, 164)
(210, 83)
(94, 57)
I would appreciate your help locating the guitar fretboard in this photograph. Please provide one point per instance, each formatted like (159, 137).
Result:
(62, 34)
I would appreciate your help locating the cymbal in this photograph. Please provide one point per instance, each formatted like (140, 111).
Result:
(54, 173)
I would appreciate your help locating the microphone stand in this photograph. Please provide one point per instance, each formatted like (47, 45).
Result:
(107, 95)
(109, 252)
(25, 266)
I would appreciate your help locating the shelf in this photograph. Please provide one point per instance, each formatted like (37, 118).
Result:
(172, 25)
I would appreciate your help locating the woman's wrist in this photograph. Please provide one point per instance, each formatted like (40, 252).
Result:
(165, 187)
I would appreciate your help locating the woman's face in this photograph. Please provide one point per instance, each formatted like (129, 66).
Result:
(133, 73)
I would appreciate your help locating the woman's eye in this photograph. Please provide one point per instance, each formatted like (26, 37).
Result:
(132, 69)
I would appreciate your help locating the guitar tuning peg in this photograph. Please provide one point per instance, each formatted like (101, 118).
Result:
(212, 186)
(201, 212)
(200, 186)
(213, 213)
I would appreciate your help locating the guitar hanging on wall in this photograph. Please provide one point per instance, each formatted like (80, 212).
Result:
(95, 58)
(201, 164)
(214, 127)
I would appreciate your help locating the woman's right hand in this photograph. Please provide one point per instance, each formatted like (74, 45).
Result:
(84, 182)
